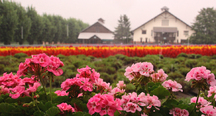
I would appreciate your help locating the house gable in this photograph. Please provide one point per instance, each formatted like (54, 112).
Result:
(97, 28)
(163, 15)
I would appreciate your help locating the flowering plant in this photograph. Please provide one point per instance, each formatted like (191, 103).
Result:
(25, 93)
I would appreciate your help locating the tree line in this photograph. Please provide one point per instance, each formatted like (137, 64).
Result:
(19, 25)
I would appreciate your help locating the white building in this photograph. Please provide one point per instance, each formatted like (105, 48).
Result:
(164, 28)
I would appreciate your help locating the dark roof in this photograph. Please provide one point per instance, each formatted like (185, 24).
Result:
(94, 24)
(159, 15)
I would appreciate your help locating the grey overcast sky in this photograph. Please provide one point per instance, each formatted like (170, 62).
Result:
(138, 11)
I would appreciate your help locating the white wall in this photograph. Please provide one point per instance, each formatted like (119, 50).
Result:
(157, 22)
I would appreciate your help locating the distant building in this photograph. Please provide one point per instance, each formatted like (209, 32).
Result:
(163, 28)
(96, 33)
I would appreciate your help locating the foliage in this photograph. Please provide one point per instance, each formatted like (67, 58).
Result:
(122, 31)
(204, 27)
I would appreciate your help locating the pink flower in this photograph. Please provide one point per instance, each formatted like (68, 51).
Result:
(212, 90)
(87, 73)
(150, 101)
(199, 73)
(42, 59)
(208, 110)
(33, 88)
(65, 107)
(115, 91)
(132, 107)
(179, 112)
(10, 80)
(172, 85)
(138, 69)
(18, 91)
(61, 93)
(146, 68)
(121, 85)
(102, 86)
(103, 104)
(4, 90)
(201, 102)
(159, 77)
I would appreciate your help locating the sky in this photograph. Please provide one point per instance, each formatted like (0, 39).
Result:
(138, 11)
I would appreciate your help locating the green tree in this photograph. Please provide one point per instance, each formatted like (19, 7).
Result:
(204, 27)
(37, 26)
(24, 24)
(8, 23)
(122, 31)
(58, 26)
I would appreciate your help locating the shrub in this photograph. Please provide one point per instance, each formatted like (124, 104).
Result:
(191, 63)
(174, 75)
(182, 55)
(20, 55)
(130, 88)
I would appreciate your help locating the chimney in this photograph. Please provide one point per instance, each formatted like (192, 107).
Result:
(101, 20)
(164, 9)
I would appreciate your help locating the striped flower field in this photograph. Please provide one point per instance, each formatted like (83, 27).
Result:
(105, 51)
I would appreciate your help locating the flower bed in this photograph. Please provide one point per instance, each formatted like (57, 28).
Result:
(25, 93)
(105, 51)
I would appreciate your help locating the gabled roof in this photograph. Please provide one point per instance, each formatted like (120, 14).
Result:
(102, 36)
(159, 15)
(105, 26)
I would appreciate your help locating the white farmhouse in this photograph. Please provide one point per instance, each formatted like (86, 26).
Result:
(164, 28)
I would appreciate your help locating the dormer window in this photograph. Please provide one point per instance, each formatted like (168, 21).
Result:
(165, 22)
(143, 31)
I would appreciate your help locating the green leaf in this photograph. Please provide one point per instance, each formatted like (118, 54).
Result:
(10, 100)
(1, 99)
(9, 109)
(52, 111)
(38, 113)
(60, 99)
(78, 113)
(42, 106)
(25, 99)
(152, 86)
(160, 92)
(48, 104)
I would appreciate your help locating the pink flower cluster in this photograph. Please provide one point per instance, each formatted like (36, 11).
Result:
(212, 90)
(102, 86)
(179, 112)
(16, 86)
(64, 107)
(104, 104)
(61, 93)
(160, 76)
(208, 110)
(116, 90)
(201, 102)
(87, 73)
(172, 85)
(199, 73)
(82, 84)
(121, 85)
(41, 63)
(138, 69)
(132, 102)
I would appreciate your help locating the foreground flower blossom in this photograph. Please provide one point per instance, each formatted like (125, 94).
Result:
(172, 85)
(212, 90)
(201, 102)
(61, 93)
(208, 110)
(160, 76)
(179, 112)
(64, 107)
(102, 86)
(132, 102)
(199, 73)
(121, 85)
(104, 104)
(139, 69)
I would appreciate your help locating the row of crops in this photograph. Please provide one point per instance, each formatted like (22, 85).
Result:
(106, 51)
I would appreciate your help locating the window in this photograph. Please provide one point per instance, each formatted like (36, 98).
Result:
(143, 31)
(165, 22)
(177, 33)
(186, 33)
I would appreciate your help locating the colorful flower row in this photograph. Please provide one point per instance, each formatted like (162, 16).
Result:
(105, 51)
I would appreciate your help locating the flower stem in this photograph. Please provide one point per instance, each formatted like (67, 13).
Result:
(196, 100)
(51, 76)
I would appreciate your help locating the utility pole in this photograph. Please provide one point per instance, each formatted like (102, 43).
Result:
(67, 30)
(21, 32)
